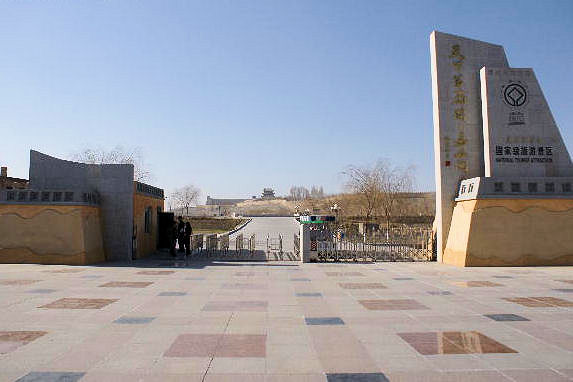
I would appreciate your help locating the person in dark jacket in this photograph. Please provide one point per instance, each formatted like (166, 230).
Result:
(188, 233)
(173, 239)
(181, 234)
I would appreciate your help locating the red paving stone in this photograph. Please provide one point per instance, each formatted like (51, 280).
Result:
(10, 341)
(79, 303)
(476, 284)
(194, 345)
(242, 345)
(540, 302)
(18, 282)
(126, 284)
(455, 342)
(218, 345)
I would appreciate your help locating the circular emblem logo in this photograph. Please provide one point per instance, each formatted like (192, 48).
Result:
(514, 95)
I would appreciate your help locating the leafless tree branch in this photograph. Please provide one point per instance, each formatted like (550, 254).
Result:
(117, 155)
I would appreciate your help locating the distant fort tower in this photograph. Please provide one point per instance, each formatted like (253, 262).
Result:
(268, 193)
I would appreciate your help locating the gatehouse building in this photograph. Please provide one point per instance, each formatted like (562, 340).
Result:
(76, 213)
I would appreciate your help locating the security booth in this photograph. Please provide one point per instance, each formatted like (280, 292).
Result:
(316, 232)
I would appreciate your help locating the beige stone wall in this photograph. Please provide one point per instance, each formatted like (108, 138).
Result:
(511, 232)
(48, 234)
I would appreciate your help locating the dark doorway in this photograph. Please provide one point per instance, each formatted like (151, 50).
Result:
(164, 229)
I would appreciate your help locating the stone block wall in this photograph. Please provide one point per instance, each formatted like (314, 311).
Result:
(50, 234)
(114, 185)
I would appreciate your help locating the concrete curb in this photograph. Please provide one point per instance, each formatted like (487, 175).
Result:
(236, 228)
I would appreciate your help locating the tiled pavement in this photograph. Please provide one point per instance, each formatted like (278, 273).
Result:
(285, 322)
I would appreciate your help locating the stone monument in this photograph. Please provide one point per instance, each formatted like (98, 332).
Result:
(503, 173)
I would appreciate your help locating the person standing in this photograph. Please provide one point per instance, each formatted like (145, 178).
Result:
(173, 238)
(188, 233)
(181, 234)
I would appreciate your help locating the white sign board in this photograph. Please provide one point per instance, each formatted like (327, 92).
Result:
(520, 134)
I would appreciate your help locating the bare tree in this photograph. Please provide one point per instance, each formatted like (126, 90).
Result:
(365, 182)
(185, 197)
(298, 193)
(117, 155)
(379, 186)
(394, 181)
(317, 192)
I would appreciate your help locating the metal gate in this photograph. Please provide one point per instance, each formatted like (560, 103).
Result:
(403, 243)
(240, 248)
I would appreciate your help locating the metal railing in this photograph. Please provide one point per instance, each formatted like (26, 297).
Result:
(398, 244)
(239, 247)
(296, 244)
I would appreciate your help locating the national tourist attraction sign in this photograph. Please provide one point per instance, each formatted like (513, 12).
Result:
(502, 168)
(520, 134)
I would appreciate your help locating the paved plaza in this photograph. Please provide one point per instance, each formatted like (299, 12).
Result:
(273, 227)
(159, 321)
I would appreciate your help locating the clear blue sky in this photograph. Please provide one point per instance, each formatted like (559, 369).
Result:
(234, 96)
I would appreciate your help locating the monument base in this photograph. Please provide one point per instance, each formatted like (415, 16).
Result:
(511, 232)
